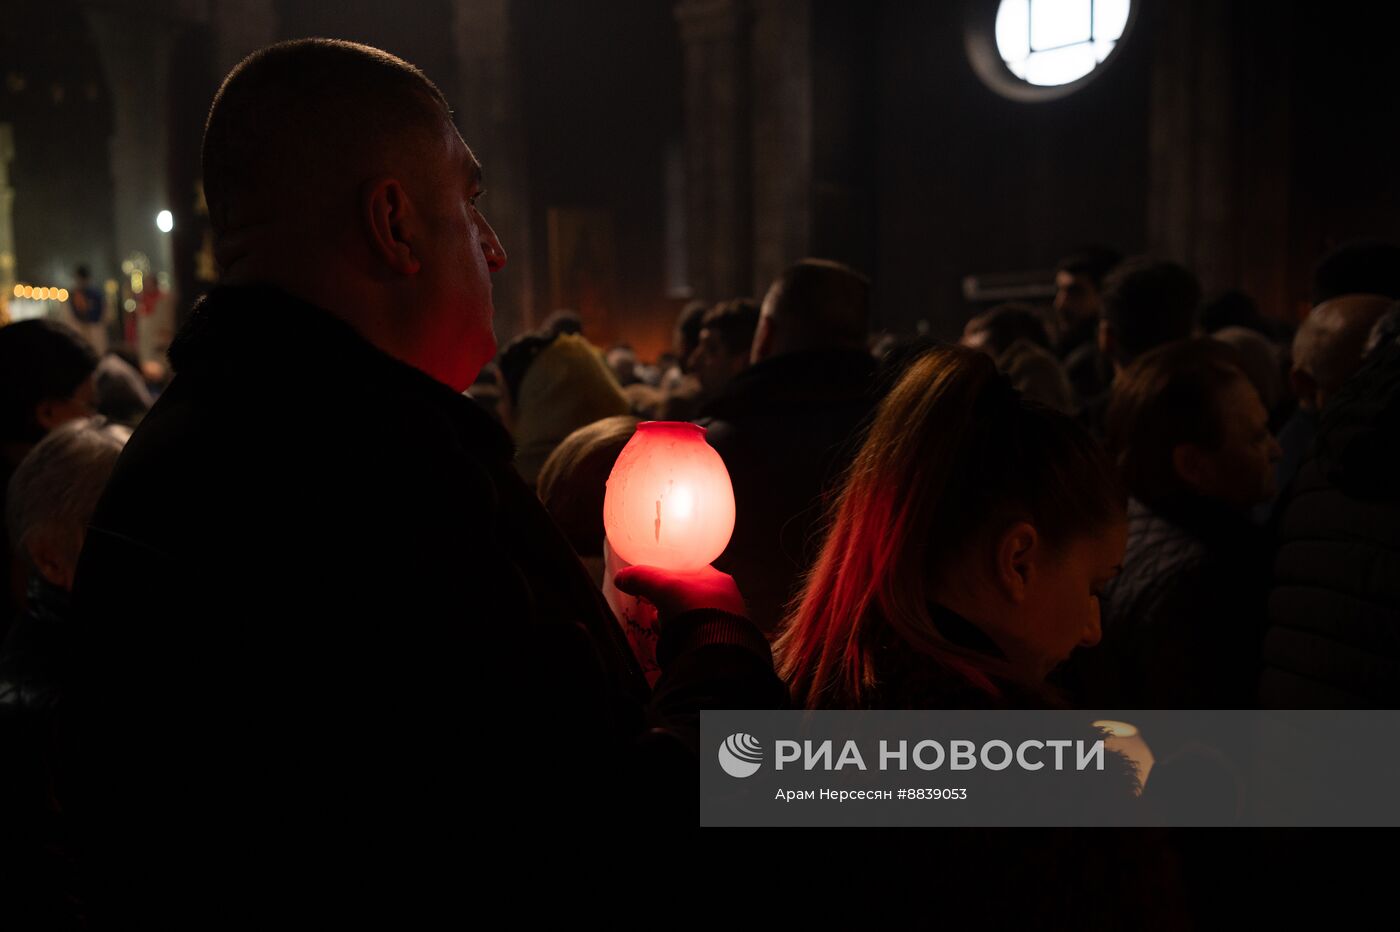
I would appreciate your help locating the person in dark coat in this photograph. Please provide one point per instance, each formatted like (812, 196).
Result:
(789, 424)
(50, 501)
(1078, 303)
(46, 380)
(1334, 612)
(1183, 622)
(332, 648)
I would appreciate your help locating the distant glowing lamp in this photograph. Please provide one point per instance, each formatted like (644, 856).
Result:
(165, 221)
(669, 502)
(1127, 740)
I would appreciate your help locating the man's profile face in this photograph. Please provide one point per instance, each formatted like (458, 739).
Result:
(458, 260)
(713, 364)
(1075, 296)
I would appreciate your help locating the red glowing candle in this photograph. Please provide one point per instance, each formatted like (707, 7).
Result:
(669, 502)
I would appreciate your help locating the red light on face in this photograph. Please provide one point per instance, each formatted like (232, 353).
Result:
(669, 501)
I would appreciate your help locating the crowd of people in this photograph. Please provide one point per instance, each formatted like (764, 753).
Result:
(295, 615)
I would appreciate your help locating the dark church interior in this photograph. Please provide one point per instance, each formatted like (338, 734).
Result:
(385, 383)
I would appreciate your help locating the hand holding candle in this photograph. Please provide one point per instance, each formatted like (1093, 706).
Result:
(669, 510)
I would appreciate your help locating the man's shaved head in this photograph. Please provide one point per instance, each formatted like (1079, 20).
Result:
(299, 124)
(1331, 340)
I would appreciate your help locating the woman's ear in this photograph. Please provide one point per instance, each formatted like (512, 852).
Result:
(390, 224)
(1015, 560)
(1189, 463)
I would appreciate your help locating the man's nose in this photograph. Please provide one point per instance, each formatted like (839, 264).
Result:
(491, 246)
(1092, 634)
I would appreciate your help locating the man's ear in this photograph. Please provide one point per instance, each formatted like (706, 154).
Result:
(1108, 340)
(1191, 465)
(762, 339)
(47, 416)
(1304, 387)
(1015, 553)
(391, 225)
(50, 565)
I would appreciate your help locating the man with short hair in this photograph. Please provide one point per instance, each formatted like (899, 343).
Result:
(1327, 350)
(331, 640)
(1146, 304)
(726, 340)
(1077, 305)
(788, 424)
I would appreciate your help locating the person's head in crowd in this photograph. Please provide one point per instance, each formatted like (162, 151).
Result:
(574, 479)
(1233, 309)
(968, 498)
(1358, 267)
(1260, 360)
(122, 395)
(686, 335)
(515, 360)
(1185, 423)
(995, 330)
(333, 171)
(487, 389)
(54, 492)
(1079, 282)
(555, 387)
(1331, 343)
(816, 304)
(1146, 303)
(726, 341)
(622, 360)
(1039, 375)
(562, 321)
(882, 343)
(46, 380)
(83, 276)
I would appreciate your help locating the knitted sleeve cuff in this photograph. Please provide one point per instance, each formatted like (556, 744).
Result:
(703, 627)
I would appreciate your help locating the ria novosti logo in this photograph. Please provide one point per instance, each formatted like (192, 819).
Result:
(740, 755)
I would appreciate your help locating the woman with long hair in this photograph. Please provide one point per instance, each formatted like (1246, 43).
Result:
(965, 554)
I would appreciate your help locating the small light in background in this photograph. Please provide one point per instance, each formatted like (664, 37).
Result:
(1127, 740)
(63, 294)
(165, 221)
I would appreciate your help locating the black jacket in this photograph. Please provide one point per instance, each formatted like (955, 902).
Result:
(34, 653)
(323, 621)
(1183, 622)
(1334, 613)
(35, 879)
(906, 678)
(786, 428)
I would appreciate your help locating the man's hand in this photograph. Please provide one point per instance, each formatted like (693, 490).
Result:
(675, 593)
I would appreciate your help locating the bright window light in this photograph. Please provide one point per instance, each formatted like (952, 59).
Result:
(1054, 42)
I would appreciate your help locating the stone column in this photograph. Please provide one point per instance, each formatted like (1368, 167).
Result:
(716, 42)
(782, 137)
(135, 54)
(1219, 180)
(7, 222)
(486, 100)
(240, 28)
